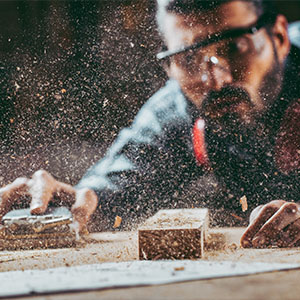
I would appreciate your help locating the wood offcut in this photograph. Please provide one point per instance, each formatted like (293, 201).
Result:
(173, 234)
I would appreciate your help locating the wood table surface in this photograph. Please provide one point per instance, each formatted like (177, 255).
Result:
(123, 246)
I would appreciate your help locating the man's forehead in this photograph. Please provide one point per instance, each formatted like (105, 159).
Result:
(228, 15)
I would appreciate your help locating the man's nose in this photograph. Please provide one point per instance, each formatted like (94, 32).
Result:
(220, 74)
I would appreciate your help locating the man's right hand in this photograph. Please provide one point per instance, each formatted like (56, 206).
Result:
(43, 189)
(276, 223)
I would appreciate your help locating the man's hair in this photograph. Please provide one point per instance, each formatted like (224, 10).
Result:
(186, 7)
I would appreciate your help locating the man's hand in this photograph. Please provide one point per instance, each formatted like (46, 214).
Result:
(43, 188)
(274, 224)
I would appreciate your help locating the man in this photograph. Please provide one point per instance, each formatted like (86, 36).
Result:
(224, 128)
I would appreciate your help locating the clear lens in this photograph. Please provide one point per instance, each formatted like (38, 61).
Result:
(223, 52)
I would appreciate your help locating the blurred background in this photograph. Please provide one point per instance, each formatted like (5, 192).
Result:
(72, 74)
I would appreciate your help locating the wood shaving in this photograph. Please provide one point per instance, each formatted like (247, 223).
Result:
(179, 269)
(243, 202)
(118, 221)
(237, 217)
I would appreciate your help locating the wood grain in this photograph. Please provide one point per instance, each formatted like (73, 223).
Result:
(173, 234)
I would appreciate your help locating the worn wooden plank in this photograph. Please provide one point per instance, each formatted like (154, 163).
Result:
(276, 285)
(125, 274)
(123, 246)
(98, 248)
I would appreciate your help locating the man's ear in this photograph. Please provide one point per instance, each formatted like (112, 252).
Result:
(281, 37)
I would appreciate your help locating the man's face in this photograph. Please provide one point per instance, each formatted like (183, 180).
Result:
(247, 63)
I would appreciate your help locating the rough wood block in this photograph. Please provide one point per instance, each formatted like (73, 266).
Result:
(41, 241)
(173, 234)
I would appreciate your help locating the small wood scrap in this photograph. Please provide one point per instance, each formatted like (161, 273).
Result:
(244, 204)
(179, 269)
(118, 221)
(173, 234)
(215, 241)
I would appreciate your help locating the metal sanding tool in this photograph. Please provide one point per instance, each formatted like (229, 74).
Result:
(22, 230)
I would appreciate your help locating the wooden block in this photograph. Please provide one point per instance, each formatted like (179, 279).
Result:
(41, 241)
(173, 234)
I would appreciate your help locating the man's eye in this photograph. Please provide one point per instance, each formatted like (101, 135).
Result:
(238, 47)
(185, 59)
(188, 58)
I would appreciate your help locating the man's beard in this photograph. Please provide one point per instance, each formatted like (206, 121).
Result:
(239, 142)
(240, 106)
(272, 84)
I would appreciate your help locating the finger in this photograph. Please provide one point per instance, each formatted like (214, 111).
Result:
(11, 193)
(294, 232)
(255, 213)
(270, 232)
(41, 187)
(84, 206)
(63, 189)
(263, 214)
(296, 242)
(290, 236)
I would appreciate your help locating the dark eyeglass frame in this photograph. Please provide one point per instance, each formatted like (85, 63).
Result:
(262, 21)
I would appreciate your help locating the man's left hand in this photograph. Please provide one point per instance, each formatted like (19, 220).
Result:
(274, 224)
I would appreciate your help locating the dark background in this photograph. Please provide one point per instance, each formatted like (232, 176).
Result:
(72, 74)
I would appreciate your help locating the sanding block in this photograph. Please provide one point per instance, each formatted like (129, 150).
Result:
(22, 230)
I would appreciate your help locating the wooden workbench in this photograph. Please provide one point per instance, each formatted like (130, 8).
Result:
(122, 246)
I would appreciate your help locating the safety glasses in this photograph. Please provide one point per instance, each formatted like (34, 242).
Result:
(217, 37)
